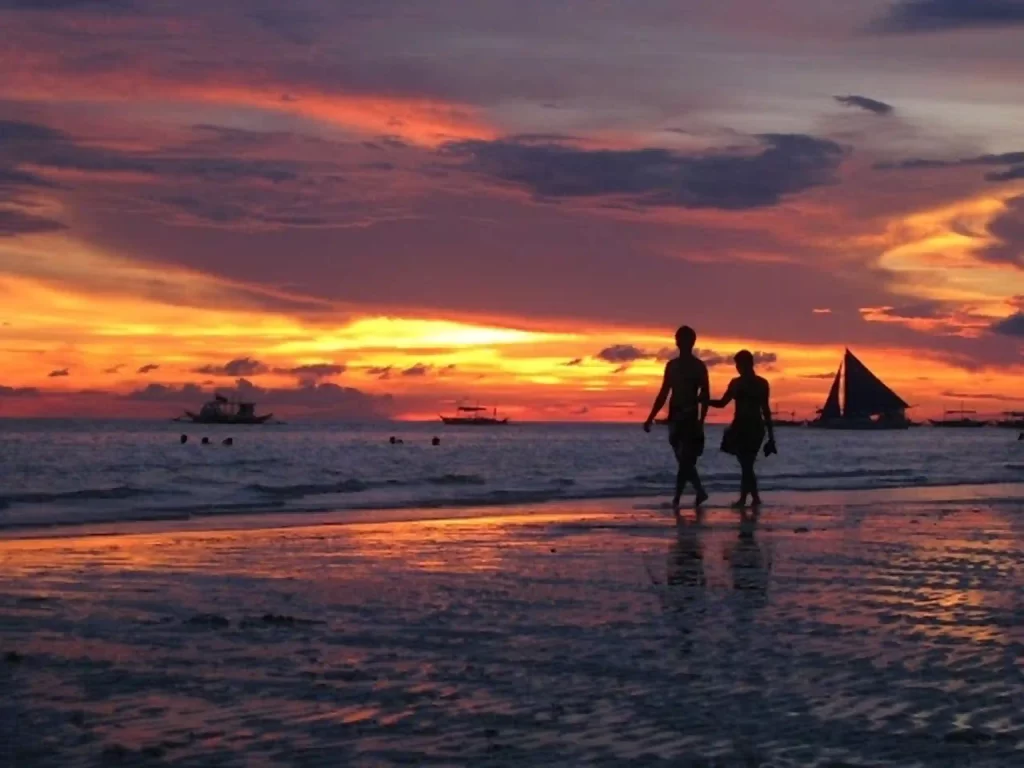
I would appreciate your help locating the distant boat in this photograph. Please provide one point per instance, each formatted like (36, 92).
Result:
(474, 416)
(1015, 420)
(793, 421)
(860, 400)
(947, 421)
(220, 410)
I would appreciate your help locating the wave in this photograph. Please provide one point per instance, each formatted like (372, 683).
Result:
(667, 476)
(310, 489)
(456, 479)
(85, 494)
(57, 518)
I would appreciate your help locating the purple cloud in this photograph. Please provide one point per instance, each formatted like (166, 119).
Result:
(622, 353)
(243, 366)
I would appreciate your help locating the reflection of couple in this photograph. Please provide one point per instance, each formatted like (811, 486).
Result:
(686, 557)
(686, 379)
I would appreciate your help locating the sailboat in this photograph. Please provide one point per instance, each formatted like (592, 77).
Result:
(860, 400)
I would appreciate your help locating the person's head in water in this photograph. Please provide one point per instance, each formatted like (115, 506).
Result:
(686, 337)
(744, 362)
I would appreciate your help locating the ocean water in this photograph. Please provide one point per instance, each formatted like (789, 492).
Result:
(69, 472)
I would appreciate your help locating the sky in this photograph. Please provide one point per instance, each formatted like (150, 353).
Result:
(381, 209)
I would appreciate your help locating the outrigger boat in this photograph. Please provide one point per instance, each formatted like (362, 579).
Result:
(957, 423)
(792, 421)
(474, 416)
(860, 400)
(1015, 420)
(220, 410)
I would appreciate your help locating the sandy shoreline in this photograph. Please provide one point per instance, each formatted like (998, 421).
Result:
(566, 635)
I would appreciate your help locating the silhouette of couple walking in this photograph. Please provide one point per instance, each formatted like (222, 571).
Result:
(686, 381)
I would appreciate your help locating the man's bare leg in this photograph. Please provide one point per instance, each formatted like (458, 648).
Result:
(698, 487)
(682, 475)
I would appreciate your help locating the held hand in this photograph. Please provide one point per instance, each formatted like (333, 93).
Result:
(770, 447)
(647, 426)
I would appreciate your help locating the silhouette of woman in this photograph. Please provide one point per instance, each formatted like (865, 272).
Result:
(752, 417)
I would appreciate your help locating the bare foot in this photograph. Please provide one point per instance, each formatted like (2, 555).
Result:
(701, 498)
(675, 505)
(755, 502)
(739, 504)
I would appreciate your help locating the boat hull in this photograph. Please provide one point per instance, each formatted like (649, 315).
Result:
(457, 421)
(196, 418)
(958, 425)
(860, 426)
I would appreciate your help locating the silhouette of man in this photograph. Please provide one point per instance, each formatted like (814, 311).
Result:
(686, 378)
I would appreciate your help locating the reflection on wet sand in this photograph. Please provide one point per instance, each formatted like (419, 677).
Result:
(747, 562)
(686, 555)
(885, 636)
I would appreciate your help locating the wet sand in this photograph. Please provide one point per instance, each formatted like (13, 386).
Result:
(889, 634)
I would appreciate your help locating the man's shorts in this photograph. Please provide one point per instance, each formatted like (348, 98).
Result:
(686, 434)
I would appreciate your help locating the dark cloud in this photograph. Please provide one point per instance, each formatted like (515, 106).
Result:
(1010, 326)
(14, 222)
(712, 358)
(59, 373)
(666, 353)
(981, 396)
(11, 177)
(39, 145)
(447, 370)
(919, 310)
(573, 362)
(218, 211)
(919, 164)
(313, 371)
(786, 164)
(243, 366)
(19, 391)
(99, 6)
(938, 15)
(1008, 230)
(381, 371)
(622, 353)
(148, 368)
(114, 369)
(327, 398)
(863, 102)
(826, 375)
(12, 131)
(417, 370)
(1011, 174)
(191, 393)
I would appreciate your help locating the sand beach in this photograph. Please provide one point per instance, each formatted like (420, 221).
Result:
(886, 631)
